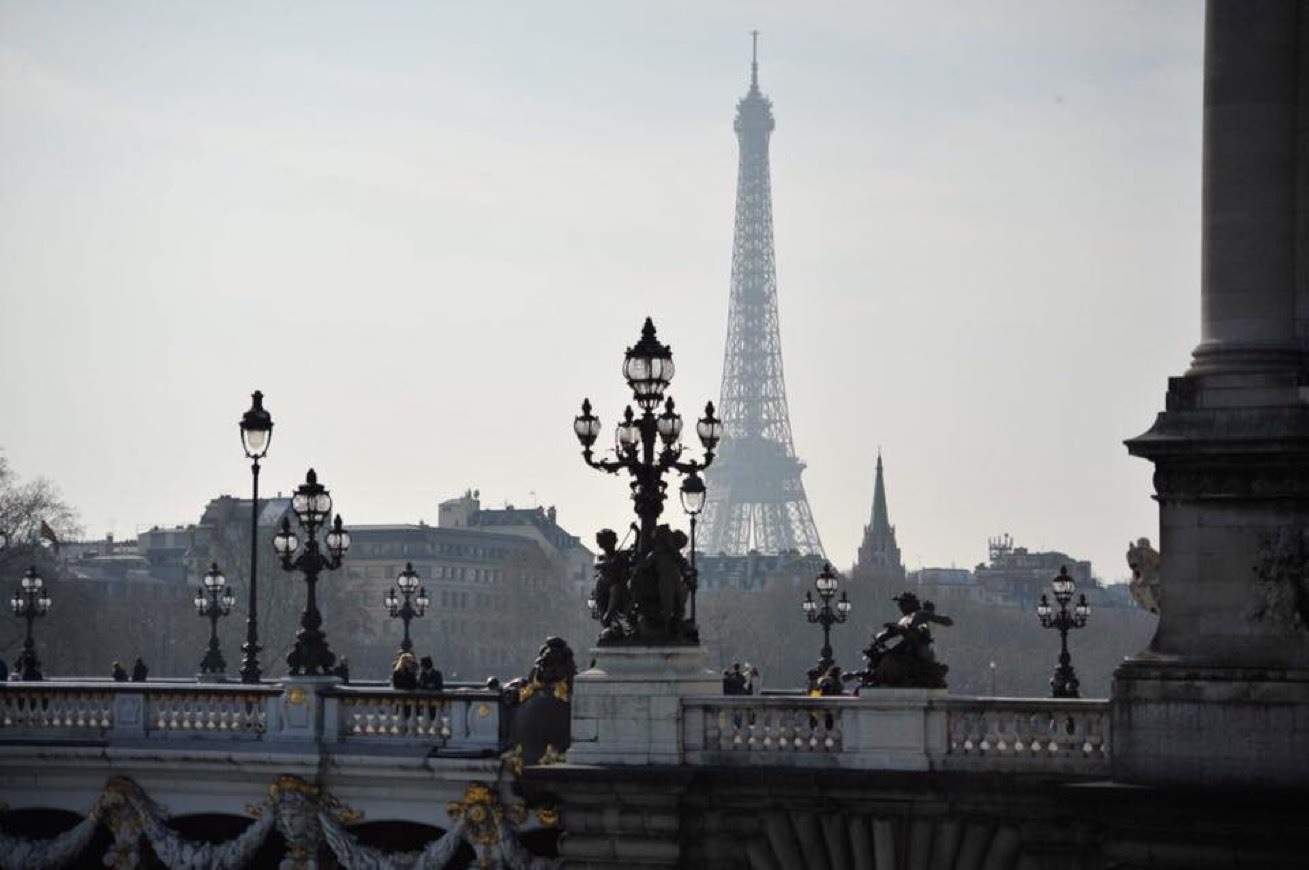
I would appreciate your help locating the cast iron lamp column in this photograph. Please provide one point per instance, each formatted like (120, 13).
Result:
(693, 497)
(214, 599)
(256, 435)
(1064, 683)
(312, 505)
(31, 600)
(411, 606)
(823, 614)
(648, 369)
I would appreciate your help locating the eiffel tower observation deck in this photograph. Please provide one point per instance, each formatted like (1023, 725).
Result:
(756, 500)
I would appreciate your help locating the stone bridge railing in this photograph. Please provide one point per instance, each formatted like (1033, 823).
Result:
(460, 722)
(900, 730)
(883, 729)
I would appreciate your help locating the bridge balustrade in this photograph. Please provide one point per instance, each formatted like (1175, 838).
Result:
(897, 729)
(459, 721)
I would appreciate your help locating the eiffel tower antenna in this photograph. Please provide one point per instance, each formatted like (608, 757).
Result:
(756, 500)
(754, 60)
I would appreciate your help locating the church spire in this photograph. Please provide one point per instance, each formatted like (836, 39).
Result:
(878, 561)
(881, 522)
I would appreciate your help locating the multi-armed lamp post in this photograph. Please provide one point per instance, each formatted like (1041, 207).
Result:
(647, 447)
(312, 505)
(1064, 683)
(824, 614)
(406, 606)
(214, 599)
(31, 600)
(256, 435)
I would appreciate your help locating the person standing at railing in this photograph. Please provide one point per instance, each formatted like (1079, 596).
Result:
(429, 677)
(4, 670)
(118, 672)
(734, 680)
(139, 671)
(342, 670)
(29, 668)
(404, 675)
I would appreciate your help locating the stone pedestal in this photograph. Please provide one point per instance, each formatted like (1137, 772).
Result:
(299, 710)
(1181, 725)
(1220, 695)
(626, 709)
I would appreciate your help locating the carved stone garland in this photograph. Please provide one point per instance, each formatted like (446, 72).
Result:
(305, 816)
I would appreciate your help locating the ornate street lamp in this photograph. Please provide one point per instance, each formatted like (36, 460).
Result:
(312, 505)
(1064, 683)
(647, 447)
(406, 606)
(256, 435)
(693, 497)
(214, 599)
(31, 600)
(823, 613)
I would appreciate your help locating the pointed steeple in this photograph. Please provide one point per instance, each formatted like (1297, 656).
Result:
(879, 554)
(881, 524)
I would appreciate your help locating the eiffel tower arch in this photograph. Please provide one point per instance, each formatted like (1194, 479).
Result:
(756, 500)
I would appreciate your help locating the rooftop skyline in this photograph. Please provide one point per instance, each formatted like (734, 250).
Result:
(426, 233)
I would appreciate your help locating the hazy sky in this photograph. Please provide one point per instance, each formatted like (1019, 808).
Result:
(427, 230)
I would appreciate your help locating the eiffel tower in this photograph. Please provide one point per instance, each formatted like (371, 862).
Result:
(756, 500)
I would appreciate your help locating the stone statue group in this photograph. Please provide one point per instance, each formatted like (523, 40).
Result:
(901, 655)
(643, 599)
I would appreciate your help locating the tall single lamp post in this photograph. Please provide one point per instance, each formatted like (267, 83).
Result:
(823, 613)
(1064, 683)
(312, 505)
(406, 605)
(214, 599)
(31, 600)
(256, 435)
(693, 498)
(648, 447)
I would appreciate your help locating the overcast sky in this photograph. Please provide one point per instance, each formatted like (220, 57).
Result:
(427, 230)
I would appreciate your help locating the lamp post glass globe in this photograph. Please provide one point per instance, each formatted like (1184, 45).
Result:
(285, 542)
(709, 428)
(693, 493)
(586, 426)
(338, 539)
(408, 578)
(825, 582)
(648, 368)
(669, 424)
(256, 428)
(1063, 586)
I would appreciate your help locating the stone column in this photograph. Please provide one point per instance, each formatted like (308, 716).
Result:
(1222, 692)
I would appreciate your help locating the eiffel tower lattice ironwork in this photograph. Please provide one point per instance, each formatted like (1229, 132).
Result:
(756, 500)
